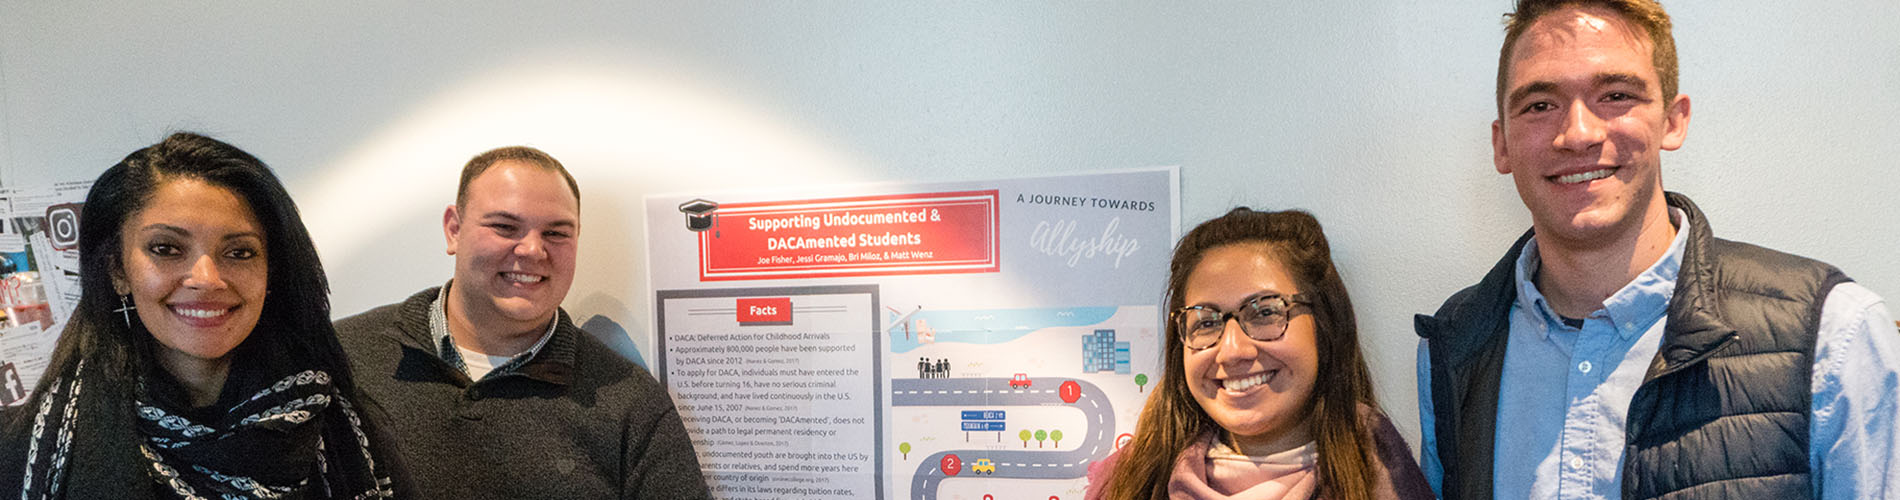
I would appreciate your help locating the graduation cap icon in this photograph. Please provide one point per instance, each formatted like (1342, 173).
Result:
(699, 214)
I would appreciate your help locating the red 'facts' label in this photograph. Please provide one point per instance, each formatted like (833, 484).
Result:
(773, 310)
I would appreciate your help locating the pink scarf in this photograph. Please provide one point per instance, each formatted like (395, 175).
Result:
(1210, 470)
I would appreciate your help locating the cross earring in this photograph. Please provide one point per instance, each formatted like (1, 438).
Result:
(125, 309)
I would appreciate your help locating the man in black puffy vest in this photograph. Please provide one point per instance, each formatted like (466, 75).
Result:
(1619, 350)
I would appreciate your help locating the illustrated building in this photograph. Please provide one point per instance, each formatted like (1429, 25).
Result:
(1101, 353)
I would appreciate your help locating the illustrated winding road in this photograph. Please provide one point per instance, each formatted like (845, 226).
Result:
(1097, 442)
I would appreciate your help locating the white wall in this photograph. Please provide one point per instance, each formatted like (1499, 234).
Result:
(1374, 115)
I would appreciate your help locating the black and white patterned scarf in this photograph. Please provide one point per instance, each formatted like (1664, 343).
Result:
(297, 438)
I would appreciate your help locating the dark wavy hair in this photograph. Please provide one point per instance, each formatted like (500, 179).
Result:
(296, 315)
(1172, 419)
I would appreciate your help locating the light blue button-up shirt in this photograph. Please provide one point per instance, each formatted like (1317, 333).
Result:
(1565, 392)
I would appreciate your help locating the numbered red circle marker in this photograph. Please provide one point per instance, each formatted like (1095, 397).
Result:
(1123, 440)
(1070, 391)
(987, 496)
(950, 465)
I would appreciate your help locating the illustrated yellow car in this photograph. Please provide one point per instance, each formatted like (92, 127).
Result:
(983, 466)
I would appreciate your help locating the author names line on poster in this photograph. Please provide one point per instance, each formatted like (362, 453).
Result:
(848, 258)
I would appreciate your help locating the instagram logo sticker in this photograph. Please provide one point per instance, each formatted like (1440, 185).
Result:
(62, 225)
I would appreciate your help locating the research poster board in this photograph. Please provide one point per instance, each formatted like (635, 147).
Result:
(965, 341)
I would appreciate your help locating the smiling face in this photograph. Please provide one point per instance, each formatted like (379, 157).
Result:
(194, 261)
(1260, 392)
(1584, 126)
(514, 244)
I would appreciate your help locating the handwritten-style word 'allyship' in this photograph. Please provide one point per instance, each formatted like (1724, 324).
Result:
(1058, 239)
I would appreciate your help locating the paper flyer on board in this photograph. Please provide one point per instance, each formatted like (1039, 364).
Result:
(39, 278)
(932, 341)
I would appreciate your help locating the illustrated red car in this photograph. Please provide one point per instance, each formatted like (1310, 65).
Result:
(1020, 381)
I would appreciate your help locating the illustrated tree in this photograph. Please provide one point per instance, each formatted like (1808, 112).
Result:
(1024, 435)
(1141, 380)
(1041, 435)
(1056, 436)
(905, 449)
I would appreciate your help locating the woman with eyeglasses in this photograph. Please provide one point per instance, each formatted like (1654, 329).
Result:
(1265, 394)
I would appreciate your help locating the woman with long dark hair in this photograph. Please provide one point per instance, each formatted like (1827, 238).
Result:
(1265, 394)
(200, 361)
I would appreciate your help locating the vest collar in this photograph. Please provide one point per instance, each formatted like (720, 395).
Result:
(1696, 328)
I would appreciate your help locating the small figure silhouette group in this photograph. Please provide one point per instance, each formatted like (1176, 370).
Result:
(929, 369)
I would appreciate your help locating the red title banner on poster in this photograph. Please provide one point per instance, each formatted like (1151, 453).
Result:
(774, 310)
(876, 235)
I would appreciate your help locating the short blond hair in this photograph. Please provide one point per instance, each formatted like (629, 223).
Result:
(1645, 14)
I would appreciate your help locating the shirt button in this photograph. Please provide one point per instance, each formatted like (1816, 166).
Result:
(1584, 367)
(1576, 462)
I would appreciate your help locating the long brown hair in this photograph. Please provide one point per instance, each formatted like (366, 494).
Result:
(296, 314)
(1173, 420)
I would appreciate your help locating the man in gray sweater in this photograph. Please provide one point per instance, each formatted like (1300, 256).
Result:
(492, 390)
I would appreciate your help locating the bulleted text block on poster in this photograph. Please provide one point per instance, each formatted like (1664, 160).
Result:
(778, 387)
